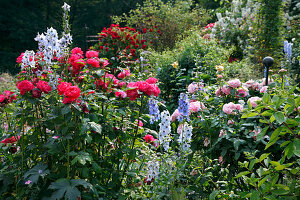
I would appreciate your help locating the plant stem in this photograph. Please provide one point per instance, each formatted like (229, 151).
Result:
(68, 158)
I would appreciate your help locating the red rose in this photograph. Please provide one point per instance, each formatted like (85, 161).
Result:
(91, 54)
(93, 62)
(149, 138)
(36, 93)
(44, 86)
(10, 140)
(151, 80)
(19, 59)
(61, 88)
(25, 86)
(71, 93)
(77, 50)
(2, 98)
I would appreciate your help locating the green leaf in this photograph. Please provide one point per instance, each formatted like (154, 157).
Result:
(261, 135)
(82, 158)
(297, 147)
(274, 137)
(279, 116)
(263, 156)
(252, 163)
(263, 180)
(213, 195)
(255, 196)
(280, 192)
(67, 189)
(272, 118)
(289, 150)
(248, 115)
(96, 127)
(242, 174)
(65, 110)
(267, 113)
(266, 98)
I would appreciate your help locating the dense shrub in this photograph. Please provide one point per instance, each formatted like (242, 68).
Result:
(171, 19)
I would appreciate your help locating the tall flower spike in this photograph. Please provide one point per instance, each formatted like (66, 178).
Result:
(66, 7)
(28, 59)
(165, 130)
(183, 107)
(185, 137)
(153, 111)
(153, 170)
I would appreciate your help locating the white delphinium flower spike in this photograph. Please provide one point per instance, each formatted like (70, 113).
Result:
(165, 130)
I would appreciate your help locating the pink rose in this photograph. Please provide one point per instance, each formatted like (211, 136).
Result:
(227, 109)
(175, 115)
(263, 89)
(226, 90)
(235, 83)
(253, 101)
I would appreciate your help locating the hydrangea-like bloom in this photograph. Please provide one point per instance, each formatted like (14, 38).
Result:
(153, 110)
(165, 130)
(183, 107)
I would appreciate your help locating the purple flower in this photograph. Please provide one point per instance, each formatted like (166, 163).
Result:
(183, 107)
(153, 110)
(28, 182)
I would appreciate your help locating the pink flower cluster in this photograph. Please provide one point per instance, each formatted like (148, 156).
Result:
(123, 74)
(233, 84)
(210, 26)
(230, 107)
(151, 140)
(71, 93)
(36, 87)
(236, 83)
(148, 87)
(253, 101)
(7, 97)
(257, 86)
(193, 87)
(196, 106)
(77, 60)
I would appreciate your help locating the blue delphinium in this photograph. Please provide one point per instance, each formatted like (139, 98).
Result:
(183, 107)
(153, 110)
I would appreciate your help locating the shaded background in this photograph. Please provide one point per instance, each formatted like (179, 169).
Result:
(21, 20)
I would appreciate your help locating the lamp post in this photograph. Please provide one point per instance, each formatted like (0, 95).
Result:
(268, 62)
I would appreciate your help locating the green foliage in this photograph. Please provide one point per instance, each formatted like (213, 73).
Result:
(270, 36)
(171, 18)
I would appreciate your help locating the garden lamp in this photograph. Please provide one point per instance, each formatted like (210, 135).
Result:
(267, 62)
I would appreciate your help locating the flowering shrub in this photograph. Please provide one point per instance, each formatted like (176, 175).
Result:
(121, 45)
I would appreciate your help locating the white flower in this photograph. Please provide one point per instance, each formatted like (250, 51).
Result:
(165, 130)
(28, 59)
(153, 170)
(185, 137)
(66, 7)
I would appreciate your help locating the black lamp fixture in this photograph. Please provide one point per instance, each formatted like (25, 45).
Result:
(268, 62)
